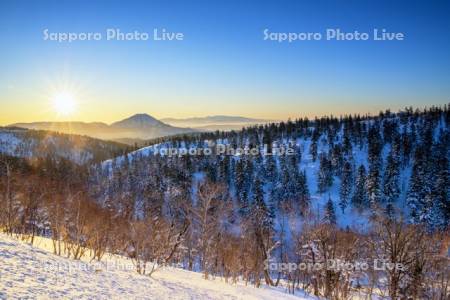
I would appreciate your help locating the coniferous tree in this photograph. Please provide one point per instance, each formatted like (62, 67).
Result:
(239, 181)
(374, 190)
(440, 208)
(406, 147)
(374, 145)
(285, 191)
(337, 160)
(270, 168)
(391, 178)
(374, 186)
(313, 150)
(360, 198)
(347, 144)
(302, 191)
(261, 212)
(325, 174)
(346, 187)
(330, 213)
(249, 169)
(212, 170)
(224, 169)
(420, 194)
(391, 188)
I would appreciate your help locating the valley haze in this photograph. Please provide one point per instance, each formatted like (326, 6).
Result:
(141, 127)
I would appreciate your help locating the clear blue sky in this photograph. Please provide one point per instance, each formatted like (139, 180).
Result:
(223, 65)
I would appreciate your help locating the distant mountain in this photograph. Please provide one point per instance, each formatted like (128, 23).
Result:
(138, 122)
(219, 122)
(139, 126)
(143, 126)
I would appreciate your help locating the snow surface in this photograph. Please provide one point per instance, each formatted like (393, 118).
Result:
(33, 272)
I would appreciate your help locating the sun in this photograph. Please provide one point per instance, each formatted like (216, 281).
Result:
(64, 104)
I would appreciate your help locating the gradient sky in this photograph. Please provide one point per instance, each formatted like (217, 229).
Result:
(223, 66)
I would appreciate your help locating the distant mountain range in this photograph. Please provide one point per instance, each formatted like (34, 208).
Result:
(212, 123)
(214, 120)
(141, 127)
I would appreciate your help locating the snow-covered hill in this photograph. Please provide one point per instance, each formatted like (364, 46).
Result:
(352, 217)
(37, 143)
(321, 148)
(28, 272)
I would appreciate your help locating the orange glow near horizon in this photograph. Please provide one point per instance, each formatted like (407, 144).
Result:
(67, 98)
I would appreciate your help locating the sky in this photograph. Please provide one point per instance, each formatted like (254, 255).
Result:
(223, 65)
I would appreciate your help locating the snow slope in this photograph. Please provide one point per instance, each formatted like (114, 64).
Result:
(28, 272)
(32, 143)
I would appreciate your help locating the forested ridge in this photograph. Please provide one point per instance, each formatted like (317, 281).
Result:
(229, 215)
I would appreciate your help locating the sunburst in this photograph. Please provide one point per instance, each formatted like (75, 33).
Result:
(64, 103)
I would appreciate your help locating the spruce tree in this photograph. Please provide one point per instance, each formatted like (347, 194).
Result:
(374, 158)
(391, 188)
(262, 213)
(360, 198)
(418, 194)
(440, 207)
(345, 190)
(270, 169)
(212, 170)
(302, 190)
(337, 160)
(313, 150)
(374, 186)
(240, 181)
(347, 144)
(330, 214)
(325, 174)
(224, 169)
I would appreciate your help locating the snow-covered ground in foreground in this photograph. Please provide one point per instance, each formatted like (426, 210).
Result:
(33, 272)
